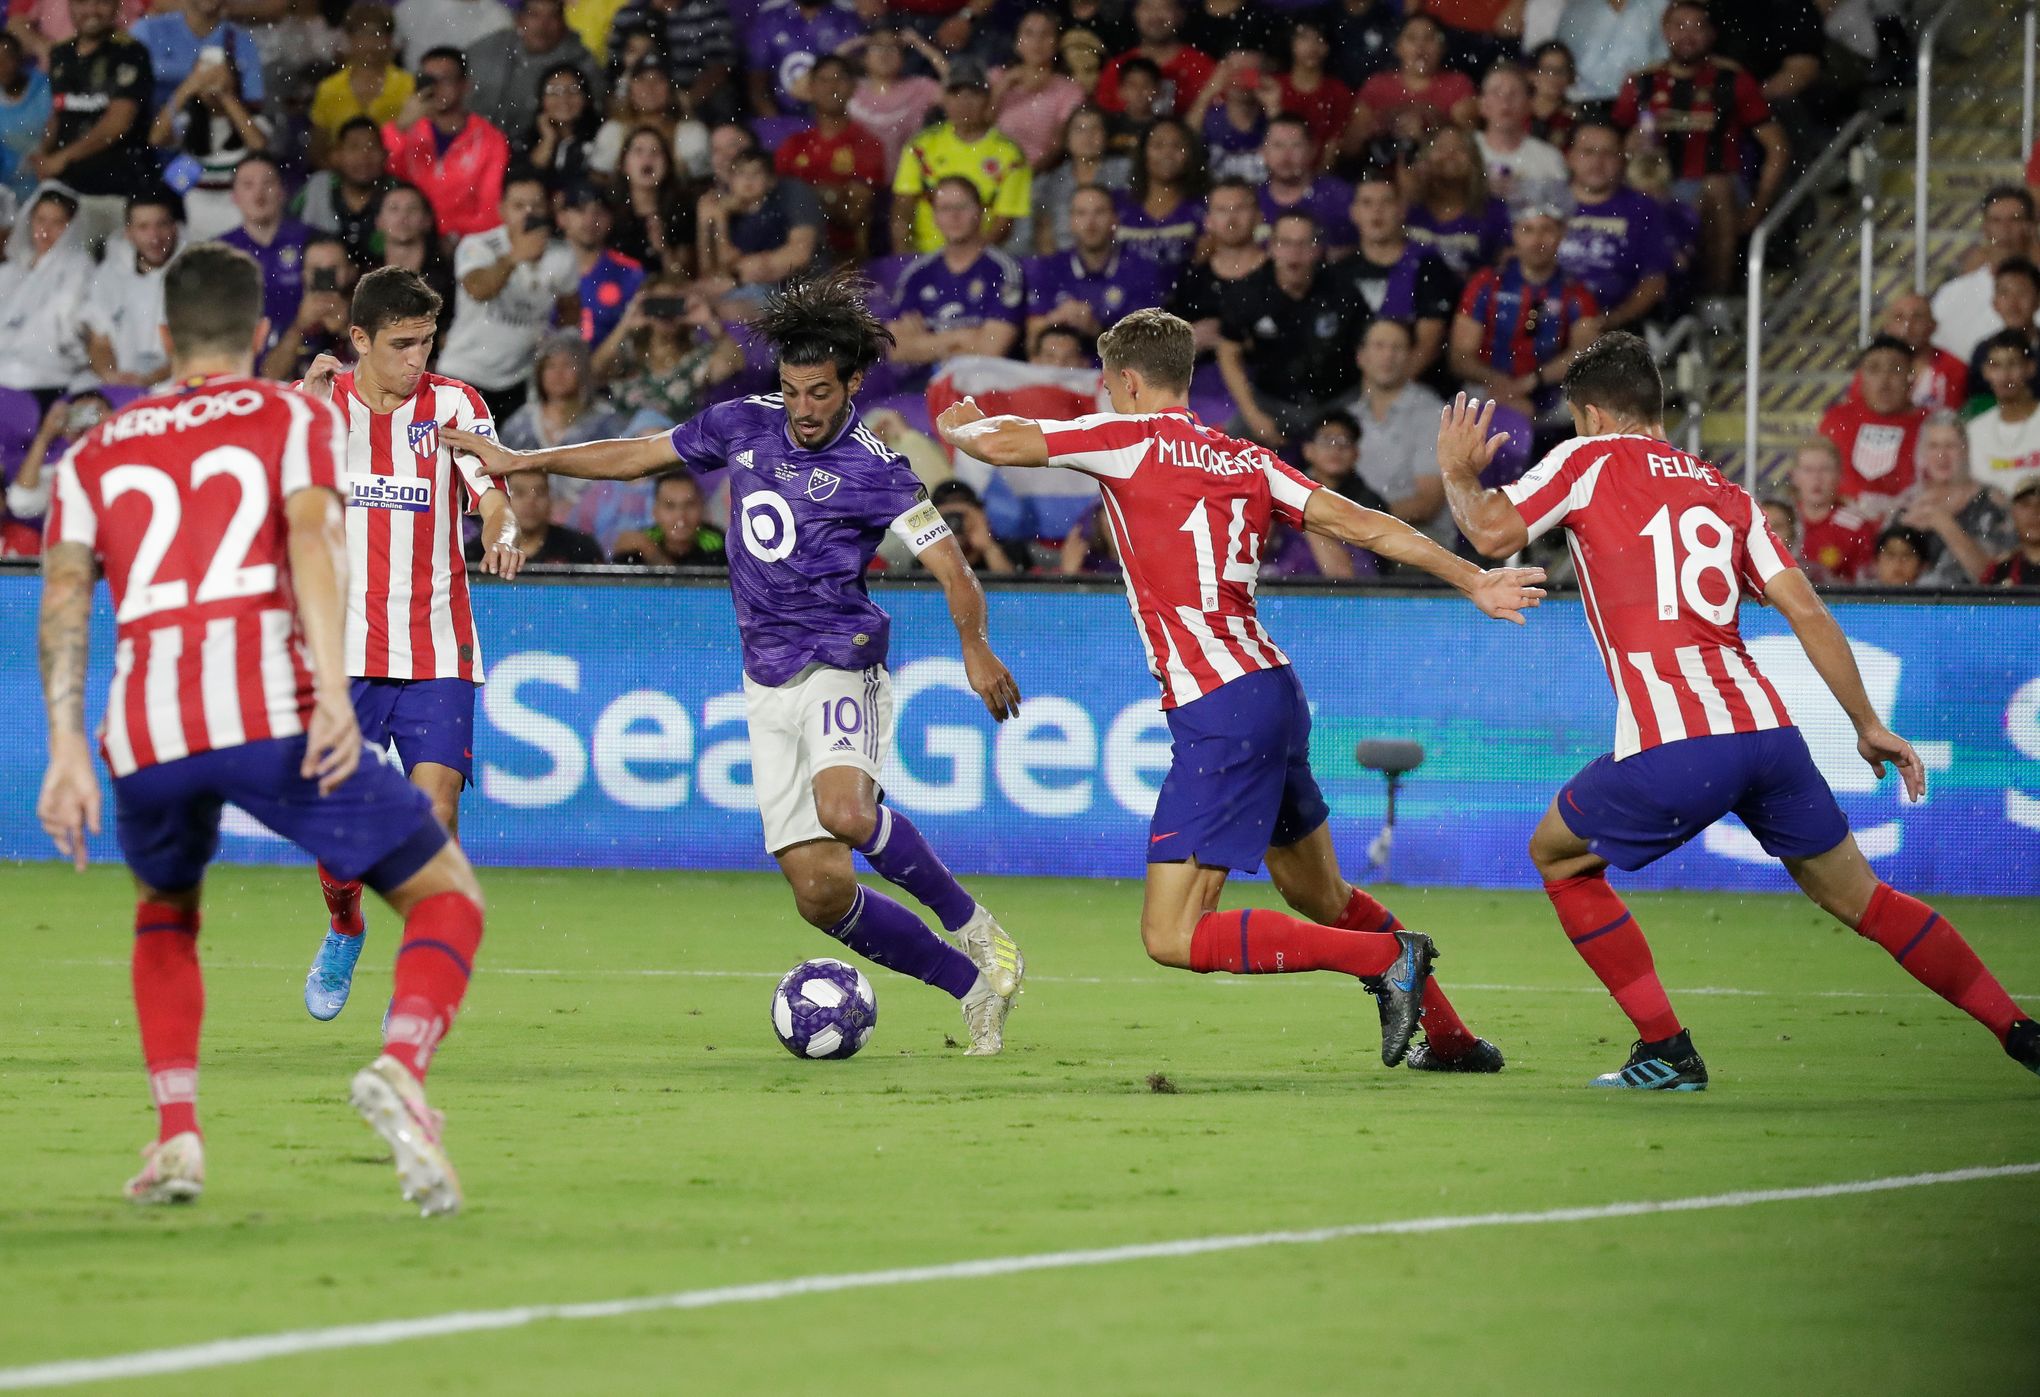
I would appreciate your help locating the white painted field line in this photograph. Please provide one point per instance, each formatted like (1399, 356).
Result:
(657, 973)
(222, 1353)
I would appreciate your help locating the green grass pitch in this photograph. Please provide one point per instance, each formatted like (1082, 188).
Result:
(626, 1125)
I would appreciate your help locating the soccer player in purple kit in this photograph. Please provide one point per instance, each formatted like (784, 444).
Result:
(1612, 241)
(812, 492)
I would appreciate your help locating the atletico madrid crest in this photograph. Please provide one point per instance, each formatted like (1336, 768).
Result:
(424, 438)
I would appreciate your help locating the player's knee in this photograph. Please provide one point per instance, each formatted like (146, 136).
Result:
(850, 820)
(1166, 943)
(822, 899)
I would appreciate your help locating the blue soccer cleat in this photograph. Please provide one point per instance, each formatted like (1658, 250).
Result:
(1670, 1064)
(331, 977)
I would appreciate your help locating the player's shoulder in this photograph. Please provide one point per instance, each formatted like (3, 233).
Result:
(448, 393)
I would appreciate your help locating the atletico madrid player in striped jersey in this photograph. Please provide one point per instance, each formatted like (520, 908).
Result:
(411, 644)
(1189, 508)
(215, 511)
(1665, 550)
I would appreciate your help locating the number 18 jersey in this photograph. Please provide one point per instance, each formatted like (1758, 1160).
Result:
(1189, 508)
(1665, 550)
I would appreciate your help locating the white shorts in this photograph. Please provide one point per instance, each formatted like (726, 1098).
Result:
(820, 718)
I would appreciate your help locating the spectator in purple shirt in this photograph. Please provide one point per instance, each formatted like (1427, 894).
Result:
(1452, 212)
(1094, 285)
(1160, 214)
(275, 241)
(784, 40)
(1294, 184)
(965, 299)
(1612, 242)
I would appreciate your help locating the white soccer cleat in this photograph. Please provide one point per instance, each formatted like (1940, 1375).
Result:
(173, 1170)
(392, 1101)
(984, 1014)
(993, 952)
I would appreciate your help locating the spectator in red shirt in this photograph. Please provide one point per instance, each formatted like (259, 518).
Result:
(1940, 380)
(1835, 544)
(454, 157)
(1159, 24)
(1707, 111)
(1879, 437)
(1419, 94)
(841, 161)
(1323, 103)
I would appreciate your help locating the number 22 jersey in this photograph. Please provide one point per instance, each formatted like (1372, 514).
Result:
(1665, 550)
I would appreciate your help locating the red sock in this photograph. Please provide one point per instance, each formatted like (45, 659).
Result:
(343, 903)
(1446, 1032)
(1609, 941)
(169, 1006)
(433, 964)
(1254, 941)
(1934, 953)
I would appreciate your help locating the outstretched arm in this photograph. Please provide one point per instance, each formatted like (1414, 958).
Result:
(1504, 593)
(989, 677)
(69, 804)
(623, 458)
(1465, 449)
(997, 441)
(500, 555)
(1828, 649)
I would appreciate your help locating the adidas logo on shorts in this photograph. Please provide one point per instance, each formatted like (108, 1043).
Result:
(842, 745)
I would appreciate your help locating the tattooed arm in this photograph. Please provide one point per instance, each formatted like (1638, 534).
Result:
(69, 804)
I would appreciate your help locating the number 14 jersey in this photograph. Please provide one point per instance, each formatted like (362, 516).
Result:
(1189, 508)
(1665, 550)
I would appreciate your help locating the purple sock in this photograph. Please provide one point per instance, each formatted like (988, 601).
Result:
(879, 929)
(897, 853)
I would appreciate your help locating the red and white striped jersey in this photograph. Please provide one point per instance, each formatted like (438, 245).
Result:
(1665, 550)
(408, 615)
(1189, 509)
(180, 496)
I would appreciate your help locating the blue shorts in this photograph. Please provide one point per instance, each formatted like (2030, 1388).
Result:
(430, 720)
(378, 828)
(1239, 780)
(1635, 811)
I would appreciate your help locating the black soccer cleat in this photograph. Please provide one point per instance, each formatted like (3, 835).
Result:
(2022, 1044)
(1483, 1056)
(1401, 995)
(1670, 1064)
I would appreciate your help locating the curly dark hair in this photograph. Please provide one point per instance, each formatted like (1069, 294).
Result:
(826, 319)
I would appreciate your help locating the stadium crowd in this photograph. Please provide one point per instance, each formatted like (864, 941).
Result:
(1362, 207)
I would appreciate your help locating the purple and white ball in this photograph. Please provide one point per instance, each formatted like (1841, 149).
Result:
(824, 1009)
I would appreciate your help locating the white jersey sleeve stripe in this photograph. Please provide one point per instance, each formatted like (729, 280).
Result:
(1761, 711)
(219, 680)
(295, 470)
(1102, 444)
(78, 522)
(1664, 702)
(159, 691)
(1546, 510)
(120, 748)
(1764, 552)
(1286, 488)
(1694, 668)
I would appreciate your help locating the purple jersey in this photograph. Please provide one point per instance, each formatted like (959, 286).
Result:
(1167, 241)
(282, 261)
(1466, 243)
(988, 289)
(785, 39)
(1612, 245)
(1327, 201)
(1123, 285)
(804, 525)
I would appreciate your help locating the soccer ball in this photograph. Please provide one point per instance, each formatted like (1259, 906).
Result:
(824, 1008)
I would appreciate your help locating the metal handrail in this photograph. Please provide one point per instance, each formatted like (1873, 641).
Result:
(1924, 100)
(1860, 128)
